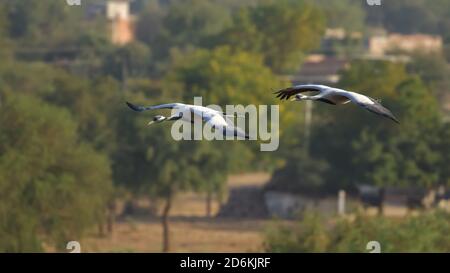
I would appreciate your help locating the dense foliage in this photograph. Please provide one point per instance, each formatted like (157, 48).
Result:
(423, 233)
(52, 185)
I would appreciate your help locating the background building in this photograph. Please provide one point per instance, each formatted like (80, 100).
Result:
(381, 45)
(121, 20)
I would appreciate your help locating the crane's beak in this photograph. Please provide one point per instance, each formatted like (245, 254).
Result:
(294, 99)
(150, 122)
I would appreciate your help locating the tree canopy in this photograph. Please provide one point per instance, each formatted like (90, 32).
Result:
(257, 29)
(52, 186)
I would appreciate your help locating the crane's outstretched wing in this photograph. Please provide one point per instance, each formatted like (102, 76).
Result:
(367, 103)
(138, 108)
(379, 109)
(287, 93)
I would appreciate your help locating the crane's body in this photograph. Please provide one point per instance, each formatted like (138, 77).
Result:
(189, 113)
(334, 96)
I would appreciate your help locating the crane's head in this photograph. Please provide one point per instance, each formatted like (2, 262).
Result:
(157, 119)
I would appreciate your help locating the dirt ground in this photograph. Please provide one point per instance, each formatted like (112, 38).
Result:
(187, 235)
(190, 230)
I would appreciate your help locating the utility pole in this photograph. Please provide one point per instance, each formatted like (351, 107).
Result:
(308, 118)
(341, 202)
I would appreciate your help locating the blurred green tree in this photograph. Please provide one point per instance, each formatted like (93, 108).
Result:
(5, 42)
(312, 236)
(281, 31)
(53, 187)
(93, 102)
(426, 232)
(44, 23)
(300, 174)
(434, 70)
(400, 16)
(201, 19)
(49, 30)
(444, 148)
(346, 14)
(129, 61)
(181, 25)
(214, 166)
(221, 76)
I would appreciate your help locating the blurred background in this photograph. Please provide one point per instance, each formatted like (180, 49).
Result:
(77, 165)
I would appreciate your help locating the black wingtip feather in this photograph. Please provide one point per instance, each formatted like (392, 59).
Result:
(396, 120)
(134, 107)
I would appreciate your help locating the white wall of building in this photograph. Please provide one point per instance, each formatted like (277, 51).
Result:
(118, 9)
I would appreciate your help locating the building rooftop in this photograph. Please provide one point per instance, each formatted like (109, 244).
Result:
(320, 69)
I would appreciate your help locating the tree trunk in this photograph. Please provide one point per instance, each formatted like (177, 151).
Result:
(381, 203)
(165, 223)
(110, 225)
(101, 229)
(208, 204)
(380, 209)
(111, 216)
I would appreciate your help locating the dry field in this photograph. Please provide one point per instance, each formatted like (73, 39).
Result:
(187, 235)
(190, 230)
